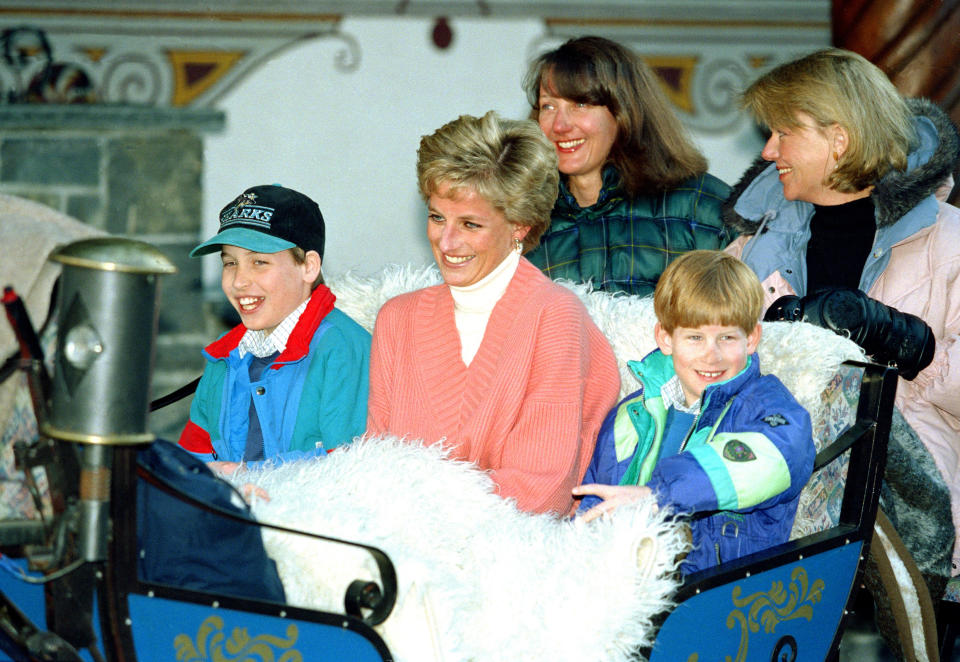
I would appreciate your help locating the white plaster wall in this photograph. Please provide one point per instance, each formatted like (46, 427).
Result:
(349, 139)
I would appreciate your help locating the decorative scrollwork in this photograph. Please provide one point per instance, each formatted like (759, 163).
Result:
(132, 78)
(716, 90)
(786, 650)
(212, 645)
(347, 59)
(773, 607)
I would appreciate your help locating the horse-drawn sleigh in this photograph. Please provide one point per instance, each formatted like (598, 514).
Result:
(77, 587)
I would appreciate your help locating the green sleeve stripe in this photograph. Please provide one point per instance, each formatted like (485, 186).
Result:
(751, 467)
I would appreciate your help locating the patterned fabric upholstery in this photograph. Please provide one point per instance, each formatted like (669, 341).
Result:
(820, 500)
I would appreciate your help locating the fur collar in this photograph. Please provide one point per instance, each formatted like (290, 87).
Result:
(896, 193)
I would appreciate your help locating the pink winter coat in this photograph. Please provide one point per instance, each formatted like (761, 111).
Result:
(922, 277)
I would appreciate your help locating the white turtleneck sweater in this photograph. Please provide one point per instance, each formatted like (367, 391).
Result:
(473, 304)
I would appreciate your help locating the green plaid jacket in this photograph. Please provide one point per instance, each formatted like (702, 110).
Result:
(623, 245)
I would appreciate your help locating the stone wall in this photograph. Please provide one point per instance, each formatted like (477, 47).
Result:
(133, 172)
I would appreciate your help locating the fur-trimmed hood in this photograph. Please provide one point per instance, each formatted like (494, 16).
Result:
(929, 165)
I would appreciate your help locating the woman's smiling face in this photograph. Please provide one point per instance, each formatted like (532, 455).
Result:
(468, 236)
(582, 134)
(804, 158)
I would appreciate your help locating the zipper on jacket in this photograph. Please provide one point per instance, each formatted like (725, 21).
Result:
(683, 444)
(716, 423)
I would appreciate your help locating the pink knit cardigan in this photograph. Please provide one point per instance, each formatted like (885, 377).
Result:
(529, 406)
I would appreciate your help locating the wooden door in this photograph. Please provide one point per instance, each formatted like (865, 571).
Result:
(916, 42)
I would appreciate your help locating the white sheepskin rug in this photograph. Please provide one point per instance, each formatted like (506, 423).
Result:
(477, 579)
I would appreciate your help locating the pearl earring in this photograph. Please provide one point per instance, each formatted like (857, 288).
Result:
(517, 245)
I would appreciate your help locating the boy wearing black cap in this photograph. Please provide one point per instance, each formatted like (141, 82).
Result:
(291, 379)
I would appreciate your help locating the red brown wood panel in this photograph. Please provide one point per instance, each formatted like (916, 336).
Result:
(917, 42)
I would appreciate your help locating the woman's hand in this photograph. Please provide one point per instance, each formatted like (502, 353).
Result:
(613, 497)
(885, 333)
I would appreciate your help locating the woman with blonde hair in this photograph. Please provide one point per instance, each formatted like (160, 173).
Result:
(844, 221)
(498, 363)
(634, 190)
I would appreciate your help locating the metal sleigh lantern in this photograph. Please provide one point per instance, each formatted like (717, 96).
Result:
(107, 323)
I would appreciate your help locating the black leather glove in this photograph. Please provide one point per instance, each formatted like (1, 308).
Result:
(886, 334)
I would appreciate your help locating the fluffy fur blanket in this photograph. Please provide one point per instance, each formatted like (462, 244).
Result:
(478, 579)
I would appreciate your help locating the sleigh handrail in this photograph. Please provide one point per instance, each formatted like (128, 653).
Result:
(360, 594)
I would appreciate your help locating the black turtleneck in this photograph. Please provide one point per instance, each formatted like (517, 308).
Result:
(841, 237)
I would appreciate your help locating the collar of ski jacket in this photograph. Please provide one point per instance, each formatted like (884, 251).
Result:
(656, 369)
(653, 371)
(611, 193)
(298, 344)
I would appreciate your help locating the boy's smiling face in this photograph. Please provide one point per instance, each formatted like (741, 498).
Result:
(266, 287)
(706, 354)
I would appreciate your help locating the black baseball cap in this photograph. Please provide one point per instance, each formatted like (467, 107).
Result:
(268, 219)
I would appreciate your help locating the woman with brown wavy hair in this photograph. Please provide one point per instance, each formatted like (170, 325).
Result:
(634, 190)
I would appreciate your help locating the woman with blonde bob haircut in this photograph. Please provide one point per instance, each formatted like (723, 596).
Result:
(499, 364)
(819, 85)
(507, 162)
(634, 190)
(844, 219)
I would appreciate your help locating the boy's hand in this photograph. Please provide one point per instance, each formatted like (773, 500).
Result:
(249, 491)
(613, 497)
(223, 468)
